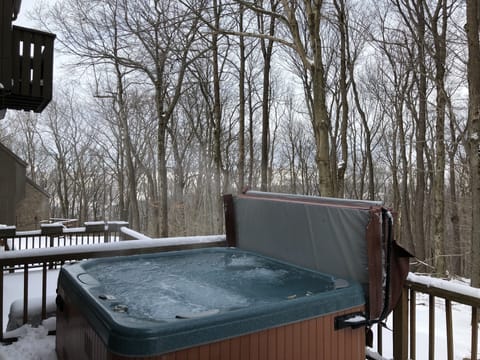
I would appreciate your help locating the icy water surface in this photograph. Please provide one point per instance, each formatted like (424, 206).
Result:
(166, 287)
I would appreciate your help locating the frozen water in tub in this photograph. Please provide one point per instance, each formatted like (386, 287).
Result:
(162, 288)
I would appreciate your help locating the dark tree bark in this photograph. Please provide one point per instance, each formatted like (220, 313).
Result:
(473, 66)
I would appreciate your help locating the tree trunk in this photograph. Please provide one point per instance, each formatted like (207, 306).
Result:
(439, 174)
(454, 211)
(162, 228)
(217, 130)
(267, 50)
(473, 67)
(134, 212)
(341, 167)
(406, 229)
(251, 147)
(241, 108)
(319, 114)
(419, 218)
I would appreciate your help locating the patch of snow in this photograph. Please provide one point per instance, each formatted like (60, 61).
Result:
(13, 288)
(74, 230)
(445, 285)
(15, 316)
(134, 234)
(461, 318)
(355, 319)
(28, 233)
(122, 245)
(50, 324)
(374, 355)
(33, 344)
(93, 223)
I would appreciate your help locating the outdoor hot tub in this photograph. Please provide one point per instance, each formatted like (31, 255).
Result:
(213, 303)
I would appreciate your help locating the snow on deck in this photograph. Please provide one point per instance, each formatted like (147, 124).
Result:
(144, 243)
(448, 285)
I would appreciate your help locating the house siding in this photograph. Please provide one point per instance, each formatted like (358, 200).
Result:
(22, 202)
(12, 184)
(33, 208)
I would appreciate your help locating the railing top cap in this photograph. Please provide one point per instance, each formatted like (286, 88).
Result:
(34, 31)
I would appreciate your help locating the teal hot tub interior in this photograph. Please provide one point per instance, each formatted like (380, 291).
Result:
(154, 304)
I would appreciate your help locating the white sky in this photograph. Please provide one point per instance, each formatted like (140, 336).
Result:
(22, 19)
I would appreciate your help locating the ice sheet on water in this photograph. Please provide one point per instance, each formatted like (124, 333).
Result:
(160, 288)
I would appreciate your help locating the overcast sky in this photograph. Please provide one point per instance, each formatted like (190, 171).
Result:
(22, 17)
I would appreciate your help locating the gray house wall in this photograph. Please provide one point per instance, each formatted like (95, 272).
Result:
(34, 207)
(22, 202)
(12, 184)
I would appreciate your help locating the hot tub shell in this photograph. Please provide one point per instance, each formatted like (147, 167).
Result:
(291, 328)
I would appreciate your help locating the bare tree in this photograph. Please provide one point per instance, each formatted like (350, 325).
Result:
(241, 99)
(473, 66)
(439, 32)
(344, 60)
(309, 49)
(266, 46)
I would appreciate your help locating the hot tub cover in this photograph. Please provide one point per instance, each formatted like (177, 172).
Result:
(351, 239)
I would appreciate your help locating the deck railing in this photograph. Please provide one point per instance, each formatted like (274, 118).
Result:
(44, 257)
(56, 234)
(26, 69)
(404, 316)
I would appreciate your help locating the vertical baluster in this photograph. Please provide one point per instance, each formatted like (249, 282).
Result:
(431, 327)
(400, 327)
(449, 323)
(1, 302)
(474, 333)
(380, 339)
(44, 290)
(25, 293)
(413, 324)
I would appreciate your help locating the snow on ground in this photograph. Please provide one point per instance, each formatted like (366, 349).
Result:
(461, 330)
(34, 344)
(13, 288)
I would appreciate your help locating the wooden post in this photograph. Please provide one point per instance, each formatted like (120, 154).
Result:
(449, 324)
(413, 324)
(1, 302)
(25, 293)
(431, 327)
(474, 332)
(229, 211)
(400, 327)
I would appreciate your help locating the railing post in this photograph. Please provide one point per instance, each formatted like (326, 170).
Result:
(413, 324)
(6, 11)
(1, 301)
(6, 233)
(25, 293)
(474, 332)
(400, 327)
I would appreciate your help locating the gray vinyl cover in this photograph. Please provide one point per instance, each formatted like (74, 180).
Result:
(327, 237)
